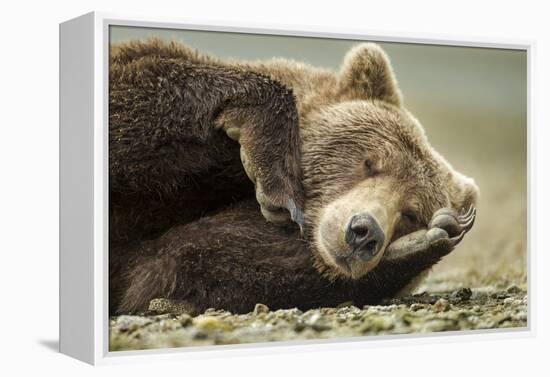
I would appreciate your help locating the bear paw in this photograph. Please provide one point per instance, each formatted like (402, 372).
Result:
(447, 228)
(278, 187)
(270, 210)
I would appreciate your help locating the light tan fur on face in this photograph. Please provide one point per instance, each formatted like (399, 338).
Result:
(411, 178)
(380, 199)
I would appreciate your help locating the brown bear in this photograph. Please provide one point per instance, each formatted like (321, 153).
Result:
(203, 151)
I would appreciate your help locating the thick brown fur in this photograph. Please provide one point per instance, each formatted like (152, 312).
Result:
(165, 148)
(184, 223)
(235, 259)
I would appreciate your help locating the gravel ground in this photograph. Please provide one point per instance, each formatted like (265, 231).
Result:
(479, 308)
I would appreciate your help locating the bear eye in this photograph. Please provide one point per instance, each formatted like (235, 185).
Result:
(410, 216)
(370, 168)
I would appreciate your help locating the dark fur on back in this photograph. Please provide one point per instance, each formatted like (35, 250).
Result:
(168, 160)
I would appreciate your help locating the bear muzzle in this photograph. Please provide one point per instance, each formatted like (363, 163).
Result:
(364, 236)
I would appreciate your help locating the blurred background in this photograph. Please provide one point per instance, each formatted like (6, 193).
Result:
(473, 105)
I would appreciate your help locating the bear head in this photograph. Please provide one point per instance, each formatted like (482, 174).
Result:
(370, 175)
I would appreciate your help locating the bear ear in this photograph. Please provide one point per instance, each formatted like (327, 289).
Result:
(367, 73)
(464, 192)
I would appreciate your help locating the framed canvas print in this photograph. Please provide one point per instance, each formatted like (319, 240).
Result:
(225, 187)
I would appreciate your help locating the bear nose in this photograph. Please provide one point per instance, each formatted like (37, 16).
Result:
(364, 236)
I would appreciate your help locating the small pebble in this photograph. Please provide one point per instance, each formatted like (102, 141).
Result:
(318, 322)
(500, 295)
(260, 308)
(441, 305)
(165, 306)
(209, 323)
(513, 289)
(381, 323)
(344, 305)
(199, 334)
(463, 294)
(185, 319)
(328, 311)
(414, 307)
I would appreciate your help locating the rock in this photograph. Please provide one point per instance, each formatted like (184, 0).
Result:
(520, 316)
(409, 318)
(162, 317)
(328, 311)
(441, 305)
(341, 319)
(164, 306)
(344, 304)
(131, 323)
(425, 298)
(381, 323)
(500, 295)
(456, 315)
(317, 322)
(514, 289)
(210, 323)
(299, 326)
(364, 328)
(185, 319)
(288, 313)
(439, 325)
(199, 334)
(414, 307)
(509, 301)
(388, 308)
(260, 308)
(461, 295)
(499, 319)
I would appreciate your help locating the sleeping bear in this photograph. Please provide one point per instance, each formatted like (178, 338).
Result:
(233, 183)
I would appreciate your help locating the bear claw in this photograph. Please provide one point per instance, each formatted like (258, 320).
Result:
(447, 229)
(453, 224)
(276, 214)
(296, 214)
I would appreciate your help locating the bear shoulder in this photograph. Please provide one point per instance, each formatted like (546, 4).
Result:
(126, 52)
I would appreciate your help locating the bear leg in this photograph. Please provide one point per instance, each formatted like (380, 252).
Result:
(234, 259)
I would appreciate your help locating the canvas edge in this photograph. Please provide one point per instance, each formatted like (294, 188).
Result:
(76, 190)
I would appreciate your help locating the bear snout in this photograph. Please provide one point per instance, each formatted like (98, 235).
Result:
(364, 236)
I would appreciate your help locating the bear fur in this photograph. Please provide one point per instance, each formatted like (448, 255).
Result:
(203, 151)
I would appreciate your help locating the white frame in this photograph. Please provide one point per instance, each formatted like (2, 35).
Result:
(84, 330)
